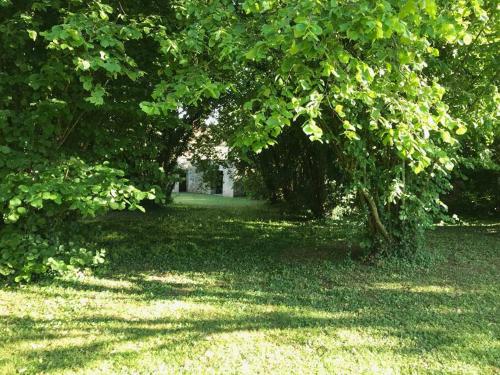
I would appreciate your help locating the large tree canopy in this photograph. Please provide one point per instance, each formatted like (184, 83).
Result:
(84, 83)
(72, 77)
(353, 75)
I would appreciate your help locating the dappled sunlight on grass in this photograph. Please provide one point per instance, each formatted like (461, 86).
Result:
(204, 200)
(110, 284)
(415, 288)
(235, 289)
(179, 279)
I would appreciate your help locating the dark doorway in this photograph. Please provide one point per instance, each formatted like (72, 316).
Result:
(183, 182)
(219, 182)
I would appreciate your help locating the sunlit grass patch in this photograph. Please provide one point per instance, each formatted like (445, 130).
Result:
(232, 289)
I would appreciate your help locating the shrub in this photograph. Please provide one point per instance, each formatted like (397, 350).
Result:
(41, 209)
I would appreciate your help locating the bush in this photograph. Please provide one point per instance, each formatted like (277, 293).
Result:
(26, 255)
(40, 211)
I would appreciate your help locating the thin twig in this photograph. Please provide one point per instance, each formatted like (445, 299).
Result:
(69, 130)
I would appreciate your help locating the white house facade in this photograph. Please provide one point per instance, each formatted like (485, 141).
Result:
(193, 181)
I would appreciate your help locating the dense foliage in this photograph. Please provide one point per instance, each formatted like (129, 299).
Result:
(470, 74)
(125, 82)
(41, 233)
(353, 76)
(71, 81)
(302, 174)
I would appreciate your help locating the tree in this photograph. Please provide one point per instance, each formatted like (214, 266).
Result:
(73, 76)
(351, 75)
(95, 91)
(468, 70)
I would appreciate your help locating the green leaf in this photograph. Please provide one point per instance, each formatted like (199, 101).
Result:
(96, 95)
(12, 217)
(430, 7)
(316, 29)
(37, 203)
(448, 31)
(5, 149)
(446, 137)
(449, 165)
(340, 110)
(14, 202)
(299, 30)
(87, 82)
(83, 64)
(150, 108)
(348, 126)
(32, 34)
(344, 57)
(379, 30)
(251, 54)
(409, 8)
(418, 168)
(352, 135)
(112, 67)
(312, 130)
(467, 39)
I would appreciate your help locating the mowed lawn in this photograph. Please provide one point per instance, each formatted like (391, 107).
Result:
(221, 285)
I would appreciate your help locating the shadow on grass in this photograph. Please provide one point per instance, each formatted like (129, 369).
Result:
(416, 319)
(285, 276)
(211, 239)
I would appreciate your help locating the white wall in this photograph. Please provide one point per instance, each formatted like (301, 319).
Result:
(228, 183)
(195, 182)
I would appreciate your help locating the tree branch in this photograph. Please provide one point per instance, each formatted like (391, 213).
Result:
(69, 130)
(374, 212)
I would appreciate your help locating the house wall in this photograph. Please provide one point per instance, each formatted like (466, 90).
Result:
(228, 183)
(195, 181)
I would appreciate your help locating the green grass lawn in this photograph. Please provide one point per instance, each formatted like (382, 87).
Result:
(221, 285)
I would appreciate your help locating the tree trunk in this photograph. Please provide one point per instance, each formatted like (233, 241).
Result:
(378, 233)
